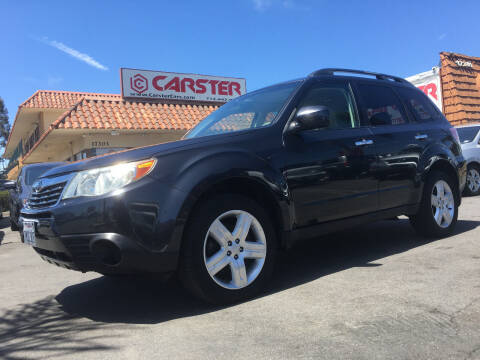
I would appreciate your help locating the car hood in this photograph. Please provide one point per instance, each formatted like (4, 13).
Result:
(136, 154)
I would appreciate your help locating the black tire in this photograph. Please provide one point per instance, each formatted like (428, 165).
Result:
(424, 221)
(468, 191)
(13, 225)
(193, 271)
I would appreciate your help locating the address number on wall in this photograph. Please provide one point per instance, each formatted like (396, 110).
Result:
(100, 143)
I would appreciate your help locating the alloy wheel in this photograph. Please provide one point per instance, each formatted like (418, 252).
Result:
(443, 204)
(473, 180)
(234, 249)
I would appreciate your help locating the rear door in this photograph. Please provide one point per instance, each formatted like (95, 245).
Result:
(397, 143)
(329, 170)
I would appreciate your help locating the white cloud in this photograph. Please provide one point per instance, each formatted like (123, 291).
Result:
(74, 53)
(261, 5)
(442, 36)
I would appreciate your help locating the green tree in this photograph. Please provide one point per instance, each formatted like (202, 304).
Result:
(4, 124)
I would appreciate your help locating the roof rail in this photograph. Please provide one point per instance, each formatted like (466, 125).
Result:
(331, 71)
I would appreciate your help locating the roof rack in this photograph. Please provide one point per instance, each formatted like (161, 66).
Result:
(331, 71)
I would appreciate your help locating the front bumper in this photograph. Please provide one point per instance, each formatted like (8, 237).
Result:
(106, 253)
(122, 233)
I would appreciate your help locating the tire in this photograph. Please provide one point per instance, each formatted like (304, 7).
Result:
(13, 225)
(472, 187)
(424, 222)
(229, 282)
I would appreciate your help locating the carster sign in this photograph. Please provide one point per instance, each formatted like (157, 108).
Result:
(429, 83)
(175, 86)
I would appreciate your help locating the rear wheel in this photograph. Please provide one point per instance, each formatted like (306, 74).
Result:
(473, 180)
(438, 212)
(229, 250)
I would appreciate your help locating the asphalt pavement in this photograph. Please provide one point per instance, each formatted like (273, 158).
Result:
(374, 292)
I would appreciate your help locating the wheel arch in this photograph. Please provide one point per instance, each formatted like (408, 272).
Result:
(444, 165)
(249, 187)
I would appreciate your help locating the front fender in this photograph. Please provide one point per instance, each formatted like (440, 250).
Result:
(200, 173)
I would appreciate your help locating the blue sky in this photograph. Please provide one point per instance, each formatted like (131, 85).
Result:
(81, 45)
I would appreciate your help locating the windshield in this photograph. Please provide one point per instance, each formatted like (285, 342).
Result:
(33, 173)
(254, 110)
(467, 134)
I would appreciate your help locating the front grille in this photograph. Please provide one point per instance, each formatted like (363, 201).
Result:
(46, 196)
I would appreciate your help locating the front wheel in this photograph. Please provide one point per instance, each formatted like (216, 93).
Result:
(229, 250)
(438, 212)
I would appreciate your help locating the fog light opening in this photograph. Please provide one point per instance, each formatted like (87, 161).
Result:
(107, 252)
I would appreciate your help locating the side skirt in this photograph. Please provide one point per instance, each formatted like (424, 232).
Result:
(309, 232)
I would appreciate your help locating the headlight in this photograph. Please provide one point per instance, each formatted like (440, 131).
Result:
(103, 180)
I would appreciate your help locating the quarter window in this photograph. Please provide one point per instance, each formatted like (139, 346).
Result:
(382, 106)
(421, 107)
(338, 100)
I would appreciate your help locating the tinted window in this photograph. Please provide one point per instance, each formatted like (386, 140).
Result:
(338, 100)
(382, 106)
(33, 173)
(254, 110)
(467, 134)
(421, 107)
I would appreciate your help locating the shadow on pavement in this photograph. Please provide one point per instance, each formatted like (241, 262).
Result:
(42, 330)
(145, 301)
(74, 322)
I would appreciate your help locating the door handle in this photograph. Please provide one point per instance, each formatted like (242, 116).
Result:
(421, 137)
(363, 142)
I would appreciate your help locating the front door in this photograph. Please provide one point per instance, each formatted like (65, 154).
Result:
(328, 171)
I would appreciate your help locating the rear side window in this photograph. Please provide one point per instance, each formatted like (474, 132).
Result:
(420, 106)
(382, 106)
(467, 134)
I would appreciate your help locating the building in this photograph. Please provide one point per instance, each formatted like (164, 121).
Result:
(460, 76)
(454, 87)
(69, 126)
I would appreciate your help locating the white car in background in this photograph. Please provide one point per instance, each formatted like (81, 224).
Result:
(470, 141)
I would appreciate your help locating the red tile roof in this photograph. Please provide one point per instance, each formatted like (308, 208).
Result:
(105, 113)
(110, 111)
(43, 99)
(461, 88)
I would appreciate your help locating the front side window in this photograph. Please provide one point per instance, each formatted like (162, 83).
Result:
(337, 98)
(467, 134)
(421, 107)
(254, 110)
(382, 106)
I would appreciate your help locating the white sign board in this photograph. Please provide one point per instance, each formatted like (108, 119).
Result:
(175, 86)
(429, 83)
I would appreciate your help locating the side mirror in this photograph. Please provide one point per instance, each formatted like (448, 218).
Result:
(310, 118)
(8, 184)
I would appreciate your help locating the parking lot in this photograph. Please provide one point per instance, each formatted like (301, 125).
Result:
(374, 292)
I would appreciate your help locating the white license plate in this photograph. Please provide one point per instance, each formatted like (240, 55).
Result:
(29, 233)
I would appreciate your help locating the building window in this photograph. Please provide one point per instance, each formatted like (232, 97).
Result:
(88, 153)
(32, 139)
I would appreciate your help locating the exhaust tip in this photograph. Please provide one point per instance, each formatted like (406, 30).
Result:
(106, 252)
